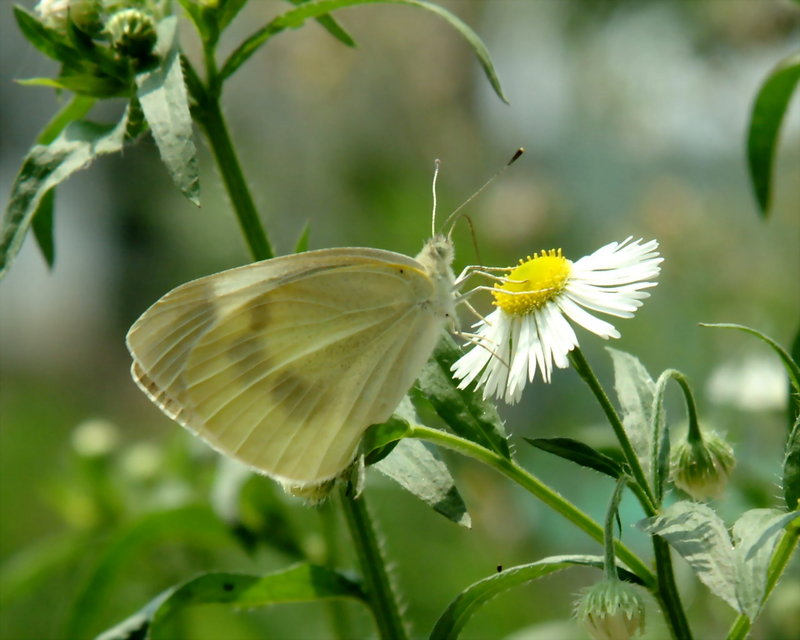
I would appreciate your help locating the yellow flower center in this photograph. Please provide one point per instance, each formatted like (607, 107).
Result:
(533, 283)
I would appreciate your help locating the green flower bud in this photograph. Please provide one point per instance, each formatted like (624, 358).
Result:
(611, 610)
(132, 33)
(701, 466)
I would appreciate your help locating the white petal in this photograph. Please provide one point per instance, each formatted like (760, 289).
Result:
(586, 320)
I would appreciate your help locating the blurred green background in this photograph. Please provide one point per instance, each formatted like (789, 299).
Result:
(633, 115)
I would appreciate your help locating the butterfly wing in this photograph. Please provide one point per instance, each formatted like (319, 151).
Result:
(283, 364)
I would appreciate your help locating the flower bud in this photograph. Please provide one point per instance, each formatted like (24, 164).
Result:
(611, 610)
(701, 466)
(54, 13)
(132, 33)
(312, 494)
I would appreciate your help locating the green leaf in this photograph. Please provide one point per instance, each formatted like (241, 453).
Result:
(301, 246)
(296, 17)
(755, 534)
(464, 410)
(636, 393)
(46, 166)
(228, 10)
(43, 226)
(791, 468)
(190, 525)
(579, 453)
(460, 610)
(700, 536)
(165, 102)
(766, 117)
(415, 468)
(49, 41)
(379, 440)
(332, 27)
(301, 583)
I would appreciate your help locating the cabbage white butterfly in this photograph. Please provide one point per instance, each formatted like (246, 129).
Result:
(283, 364)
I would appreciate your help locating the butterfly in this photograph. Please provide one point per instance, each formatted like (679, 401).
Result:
(283, 364)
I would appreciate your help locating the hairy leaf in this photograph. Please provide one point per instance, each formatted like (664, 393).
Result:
(417, 469)
(636, 391)
(165, 103)
(46, 166)
(756, 533)
(700, 536)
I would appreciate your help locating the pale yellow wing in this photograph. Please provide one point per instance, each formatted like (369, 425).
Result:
(283, 364)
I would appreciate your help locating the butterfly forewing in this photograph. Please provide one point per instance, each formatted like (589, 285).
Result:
(284, 363)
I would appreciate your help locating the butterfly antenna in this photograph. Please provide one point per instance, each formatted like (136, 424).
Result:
(452, 216)
(436, 163)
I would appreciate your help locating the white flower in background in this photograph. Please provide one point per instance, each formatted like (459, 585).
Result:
(529, 330)
(751, 383)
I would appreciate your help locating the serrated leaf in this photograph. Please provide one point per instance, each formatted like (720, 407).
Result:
(165, 103)
(766, 118)
(417, 469)
(635, 391)
(579, 453)
(191, 525)
(296, 17)
(301, 583)
(700, 536)
(46, 166)
(755, 534)
(464, 411)
(460, 610)
(791, 468)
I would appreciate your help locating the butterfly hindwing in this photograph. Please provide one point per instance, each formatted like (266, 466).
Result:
(284, 363)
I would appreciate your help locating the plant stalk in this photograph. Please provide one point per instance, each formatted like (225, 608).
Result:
(213, 123)
(532, 484)
(373, 568)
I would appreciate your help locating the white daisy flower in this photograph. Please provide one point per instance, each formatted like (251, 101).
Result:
(529, 330)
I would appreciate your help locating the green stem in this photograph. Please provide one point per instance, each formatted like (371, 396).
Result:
(781, 557)
(609, 560)
(585, 372)
(75, 109)
(668, 594)
(531, 483)
(373, 569)
(667, 591)
(213, 123)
